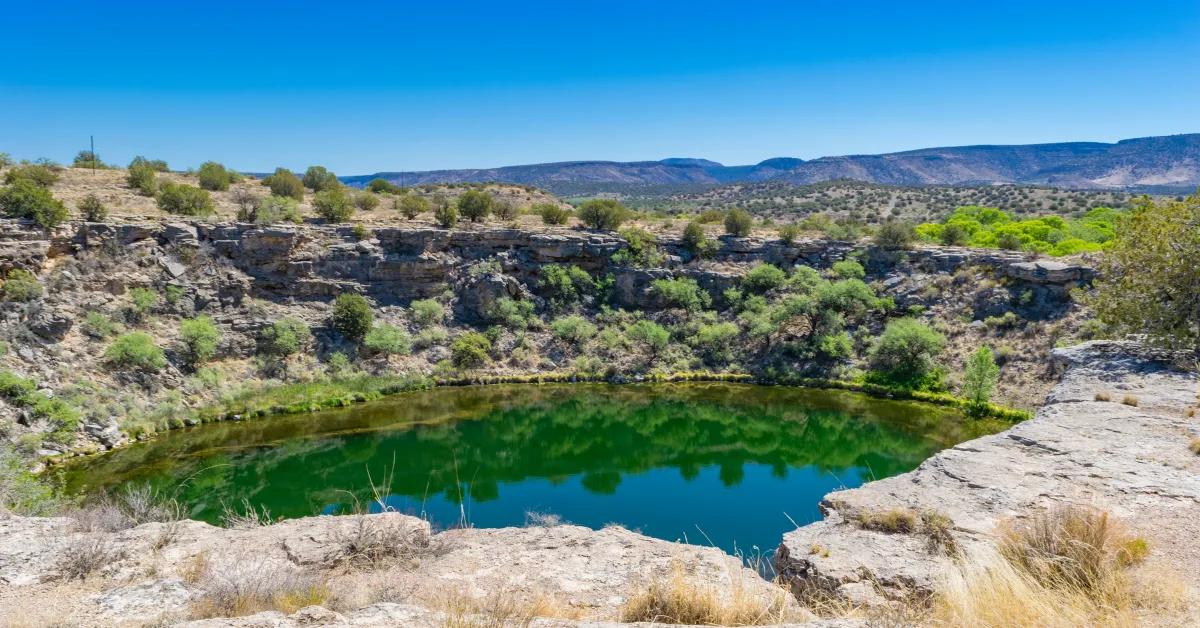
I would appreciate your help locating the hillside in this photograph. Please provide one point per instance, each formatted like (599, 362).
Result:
(1168, 163)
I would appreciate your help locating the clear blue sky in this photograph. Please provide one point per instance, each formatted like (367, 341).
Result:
(402, 86)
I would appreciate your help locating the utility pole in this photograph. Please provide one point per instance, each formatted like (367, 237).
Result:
(93, 139)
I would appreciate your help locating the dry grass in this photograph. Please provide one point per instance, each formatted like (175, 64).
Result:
(87, 555)
(1103, 396)
(249, 585)
(892, 520)
(248, 517)
(677, 598)
(1131, 400)
(1194, 445)
(374, 542)
(501, 609)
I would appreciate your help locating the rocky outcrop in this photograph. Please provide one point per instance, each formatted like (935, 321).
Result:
(1130, 459)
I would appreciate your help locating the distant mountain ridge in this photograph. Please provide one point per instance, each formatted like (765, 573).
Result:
(1165, 161)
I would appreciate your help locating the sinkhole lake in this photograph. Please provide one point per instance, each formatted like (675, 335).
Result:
(725, 464)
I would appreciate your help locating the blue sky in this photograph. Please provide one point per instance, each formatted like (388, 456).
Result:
(399, 86)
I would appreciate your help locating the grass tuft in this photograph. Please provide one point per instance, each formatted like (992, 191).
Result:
(1131, 400)
(1103, 396)
(678, 599)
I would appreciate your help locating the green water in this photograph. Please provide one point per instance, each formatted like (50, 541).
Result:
(720, 463)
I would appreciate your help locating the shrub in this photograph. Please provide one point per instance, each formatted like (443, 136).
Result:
(475, 205)
(388, 340)
(380, 186)
(430, 337)
(565, 285)
(97, 325)
(22, 492)
(284, 182)
(641, 251)
(470, 350)
(21, 285)
(318, 179)
(684, 294)
(710, 217)
(41, 176)
(366, 201)
(505, 210)
(788, 234)
(143, 300)
(511, 313)
(136, 350)
(738, 223)
(352, 316)
(850, 297)
(649, 335)
(905, 354)
(271, 210)
(214, 176)
(953, 234)
(696, 242)
(88, 159)
(848, 269)
(979, 379)
(603, 214)
(1131, 400)
(92, 209)
(200, 338)
(26, 199)
(156, 165)
(762, 278)
(411, 205)
(141, 177)
(285, 337)
(574, 329)
(444, 213)
(716, 341)
(184, 200)
(551, 214)
(895, 235)
(427, 313)
(333, 205)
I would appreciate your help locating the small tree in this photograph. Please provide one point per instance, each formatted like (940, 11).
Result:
(92, 209)
(475, 205)
(271, 210)
(762, 278)
(318, 179)
(43, 176)
(603, 214)
(185, 200)
(427, 313)
(551, 214)
(285, 337)
(88, 159)
(381, 186)
(388, 340)
(979, 379)
(24, 198)
(136, 350)
(366, 201)
(505, 210)
(696, 242)
(788, 234)
(200, 339)
(284, 182)
(156, 165)
(895, 235)
(684, 294)
(214, 176)
(333, 205)
(848, 269)
(444, 213)
(352, 316)
(906, 353)
(411, 205)
(649, 335)
(738, 223)
(953, 234)
(141, 178)
(21, 285)
(143, 299)
(470, 350)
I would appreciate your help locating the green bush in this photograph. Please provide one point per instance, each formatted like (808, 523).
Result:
(850, 297)
(411, 205)
(848, 269)
(22, 492)
(388, 340)
(352, 316)
(470, 350)
(285, 337)
(427, 313)
(366, 201)
(97, 325)
(333, 205)
(505, 210)
(788, 234)
(318, 179)
(136, 350)
(92, 209)
(14, 387)
(696, 242)
(200, 338)
(184, 200)
(563, 286)
(141, 177)
(26, 199)
(716, 341)
(979, 380)
(511, 313)
(272, 210)
(603, 214)
(648, 335)
(214, 176)
(738, 223)
(156, 165)
(88, 159)
(711, 217)
(574, 329)
(444, 212)
(895, 235)
(21, 285)
(641, 251)
(762, 278)
(381, 186)
(41, 176)
(905, 355)
(550, 213)
(954, 235)
(474, 205)
(143, 300)
(284, 182)
(684, 294)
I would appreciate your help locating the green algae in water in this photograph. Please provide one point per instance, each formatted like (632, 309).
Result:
(712, 462)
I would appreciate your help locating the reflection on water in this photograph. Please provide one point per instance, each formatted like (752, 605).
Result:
(719, 463)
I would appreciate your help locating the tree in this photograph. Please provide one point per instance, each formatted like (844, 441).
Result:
(711, 217)
(411, 205)
(788, 234)
(848, 269)
(551, 214)
(136, 350)
(271, 210)
(505, 210)
(470, 350)
(318, 179)
(156, 165)
(474, 205)
(696, 242)
(214, 176)
(602, 213)
(352, 317)
(381, 186)
(285, 183)
(905, 355)
(444, 212)
(895, 235)
(333, 205)
(1149, 280)
(953, 234)
(141, 177)
(24, 198)
(88, 159)
(762, 278)
(979, 379)
(649, 335)
(92, 209)
(285, 337)
(200, 338)
(684, 294)
(185, 200)
(42, 176)
(366, 201)
(738, 223)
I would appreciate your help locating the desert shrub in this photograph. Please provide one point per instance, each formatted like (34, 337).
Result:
(603, 214)
(575, 329)
(272, 210)
(284, 182)
(143, 300)
(710, 217)
(550, 213)
(21, 285)
(41, 176)
(738, 223)
(505, 210)
(1075, 548)
(352, 316)
(136, 350)
(684, 294)
(214, 176)
(444, 213)
(430, 337)
(381, 186)
(22, 492)
(788, 234)
(26, 199)
(954, 235)
(97, 325)
(850, 297)
(333, 205)
(511, 313)
(427, 313)
(285, 337)
(92, 209)
(470, 350)
(366, 201)
(804, 280)
(895, 235)
(979, 379)
(200, 338)
(141, 177)
(641, 251)
(411, 205)
(905, 354)
(563, 286)
(716, 341)
(648, 335)
(696, 242)
(388, 340)
(475, 205)
(848, 269)
(88, 159)
(762, 278)
(184, 200)
(156, 165)
(318, 179)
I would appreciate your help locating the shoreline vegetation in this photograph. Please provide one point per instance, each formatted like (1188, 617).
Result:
(313, 397)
